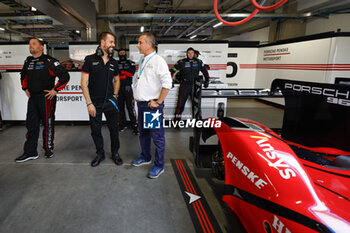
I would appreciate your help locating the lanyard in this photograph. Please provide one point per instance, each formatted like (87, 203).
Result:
(143, 67)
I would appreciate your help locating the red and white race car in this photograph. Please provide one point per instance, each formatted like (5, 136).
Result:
(296, 182)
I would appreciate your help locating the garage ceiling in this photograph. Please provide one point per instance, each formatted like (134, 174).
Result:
(59, 20)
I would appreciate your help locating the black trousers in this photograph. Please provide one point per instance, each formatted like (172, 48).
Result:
(111, 112)
(40, 109)
(126, 97)
(185, 91)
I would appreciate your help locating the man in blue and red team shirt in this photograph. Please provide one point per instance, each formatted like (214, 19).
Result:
(189, 69)
(127, 69)
(38, 81)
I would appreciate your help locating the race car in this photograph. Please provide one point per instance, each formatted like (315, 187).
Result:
(298, 181)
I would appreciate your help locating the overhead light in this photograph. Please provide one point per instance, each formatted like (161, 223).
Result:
(192, 37)
(77, 31)
(142, 28)
(217, 25)
(2, 29)
(33, 9)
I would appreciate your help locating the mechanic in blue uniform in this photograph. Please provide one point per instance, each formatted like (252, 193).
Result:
(126, 97)
(189, 69)
(100, 84)
(38, 81)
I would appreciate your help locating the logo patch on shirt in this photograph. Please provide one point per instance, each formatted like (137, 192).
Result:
(56, 63)
(39, 67)
(95, 63)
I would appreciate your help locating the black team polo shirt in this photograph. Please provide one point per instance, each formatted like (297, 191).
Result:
(100, 77)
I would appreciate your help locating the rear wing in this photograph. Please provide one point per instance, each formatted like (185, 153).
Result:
(316, 114)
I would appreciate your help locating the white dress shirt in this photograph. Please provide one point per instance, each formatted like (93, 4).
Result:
(152, 75)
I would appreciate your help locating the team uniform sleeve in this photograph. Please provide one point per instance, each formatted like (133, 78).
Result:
(176, 67)
(164, 74)
(86, 67)
(56, 69)
(116, 69)
(24, 75)
(130, 71)
(204, 71)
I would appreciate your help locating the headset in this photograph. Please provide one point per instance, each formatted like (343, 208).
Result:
(100, 53)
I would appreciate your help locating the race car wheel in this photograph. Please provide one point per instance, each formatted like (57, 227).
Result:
(218, 165)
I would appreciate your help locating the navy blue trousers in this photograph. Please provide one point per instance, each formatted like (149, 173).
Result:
(157, 135)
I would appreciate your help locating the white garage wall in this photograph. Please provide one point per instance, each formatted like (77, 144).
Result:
(244, 78)
(292, 61)
(315, 26)
(261, 35)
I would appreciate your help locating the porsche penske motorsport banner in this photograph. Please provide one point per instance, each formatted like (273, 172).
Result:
(70, 101)
(320, 60)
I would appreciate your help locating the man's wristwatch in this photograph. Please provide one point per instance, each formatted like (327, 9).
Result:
(87, 105)
(115, 96)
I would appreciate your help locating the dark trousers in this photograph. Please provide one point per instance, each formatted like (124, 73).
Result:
(111, 113)
(126, 97)
(40, 109)
(185, 91)
(147, 134)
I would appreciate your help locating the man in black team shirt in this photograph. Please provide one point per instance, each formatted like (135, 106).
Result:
(38, 81)
(126, 97)
(100, 84)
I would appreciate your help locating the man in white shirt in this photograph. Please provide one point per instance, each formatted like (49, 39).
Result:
(151, 86)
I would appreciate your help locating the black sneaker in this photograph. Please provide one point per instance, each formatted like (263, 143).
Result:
(117, 160)
(49, 154)
(97, 160)
(26, 157)
(122, 128)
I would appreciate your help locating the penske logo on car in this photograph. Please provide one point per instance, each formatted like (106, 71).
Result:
(255, 179)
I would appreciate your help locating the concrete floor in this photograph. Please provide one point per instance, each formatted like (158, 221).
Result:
(65, 194)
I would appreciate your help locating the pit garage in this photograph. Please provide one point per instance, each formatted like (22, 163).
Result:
(262, 148)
